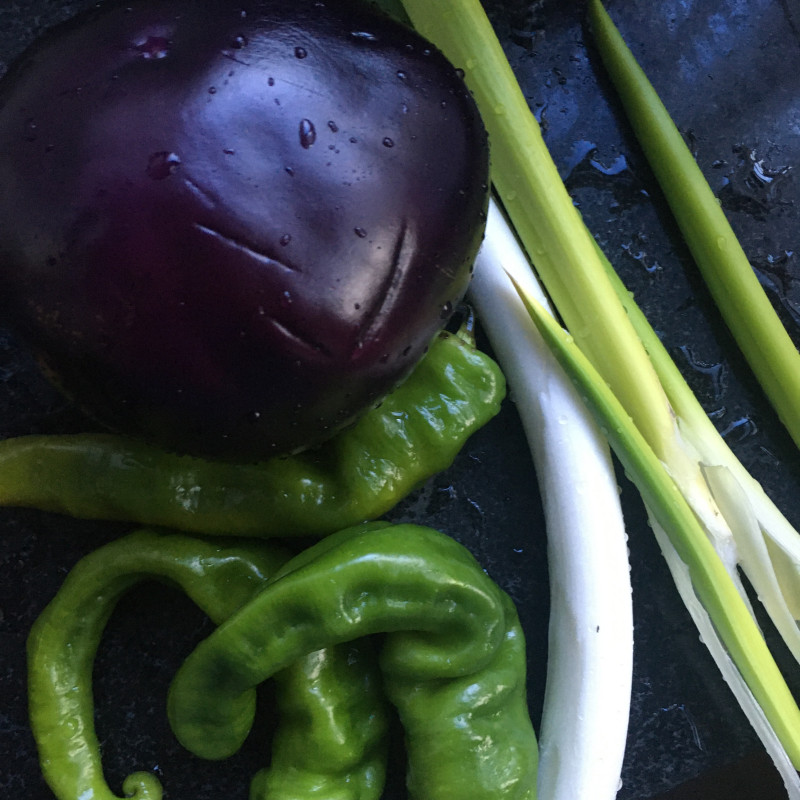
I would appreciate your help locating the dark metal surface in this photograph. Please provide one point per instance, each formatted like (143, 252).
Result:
(729, 71)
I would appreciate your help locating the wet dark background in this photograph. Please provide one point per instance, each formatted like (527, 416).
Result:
(729, 71)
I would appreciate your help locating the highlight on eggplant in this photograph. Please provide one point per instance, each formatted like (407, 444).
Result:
(231, 228)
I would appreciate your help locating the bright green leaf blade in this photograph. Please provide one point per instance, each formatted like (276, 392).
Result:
(712, 583)
(726, 270)
(543, 214)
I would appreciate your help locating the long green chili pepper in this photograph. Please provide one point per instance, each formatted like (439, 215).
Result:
(452, 658)
(333, 693)
(331, 742)
(358, 475)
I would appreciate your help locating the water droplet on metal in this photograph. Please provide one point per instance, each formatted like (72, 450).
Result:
(740, 429)
(636, 250)
(308, 133)
(715, 373)
(162, 164)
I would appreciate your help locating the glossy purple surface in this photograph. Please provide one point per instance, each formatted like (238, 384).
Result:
(232, 227)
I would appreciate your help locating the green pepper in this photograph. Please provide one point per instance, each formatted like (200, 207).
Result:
(452, 657)
(332, 735)
(358, 475)
(333, 694)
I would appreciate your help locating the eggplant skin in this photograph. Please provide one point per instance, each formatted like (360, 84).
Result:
(231, 228)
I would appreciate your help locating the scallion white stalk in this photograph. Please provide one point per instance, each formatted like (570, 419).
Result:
(590, 652)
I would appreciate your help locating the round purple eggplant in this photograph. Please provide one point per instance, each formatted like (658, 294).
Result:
(232, 227)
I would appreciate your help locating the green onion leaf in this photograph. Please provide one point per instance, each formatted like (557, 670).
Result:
(723, 264)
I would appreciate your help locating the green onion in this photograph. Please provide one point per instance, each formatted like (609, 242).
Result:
(542, 212)
(723, 264)
(668, 506)
(590, 645)
(695, 491)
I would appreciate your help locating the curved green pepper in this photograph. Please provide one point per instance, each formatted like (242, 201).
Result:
(358, 475)
(332, 736)
(333, 694)
(452, 658)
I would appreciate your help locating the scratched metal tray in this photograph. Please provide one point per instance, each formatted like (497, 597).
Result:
(729, 71)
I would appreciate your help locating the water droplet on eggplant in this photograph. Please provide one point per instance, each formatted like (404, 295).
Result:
(308, 133)
(31, 134)
(162, 164)
(153, 47)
